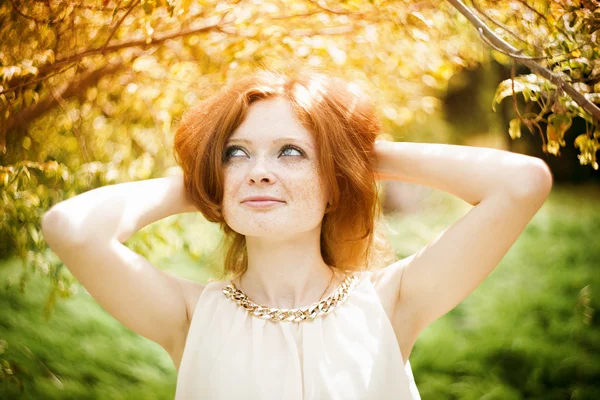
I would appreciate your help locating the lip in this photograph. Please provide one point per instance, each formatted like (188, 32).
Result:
(261, 198)
(262, 203)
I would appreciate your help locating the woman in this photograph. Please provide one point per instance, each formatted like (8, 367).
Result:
(287, 165)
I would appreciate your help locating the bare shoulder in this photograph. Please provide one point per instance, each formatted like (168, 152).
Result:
(387, 282)
(191, 293)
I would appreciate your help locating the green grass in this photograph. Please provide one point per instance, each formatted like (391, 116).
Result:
(529, 331)
(81, 352)
(525, 332)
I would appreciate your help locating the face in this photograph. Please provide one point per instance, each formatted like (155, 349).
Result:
(272, 154)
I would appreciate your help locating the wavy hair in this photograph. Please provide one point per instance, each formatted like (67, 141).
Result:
(342, 119)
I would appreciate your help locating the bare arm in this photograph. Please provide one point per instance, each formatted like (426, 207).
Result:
(506, 190)
(87, 233)
(467, 172)
(116, 210)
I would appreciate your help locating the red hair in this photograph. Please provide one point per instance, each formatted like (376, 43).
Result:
(344, 123)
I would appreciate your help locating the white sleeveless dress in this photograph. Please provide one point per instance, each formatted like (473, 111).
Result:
(351, 353)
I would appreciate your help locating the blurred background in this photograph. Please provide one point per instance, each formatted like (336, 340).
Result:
(90, 95)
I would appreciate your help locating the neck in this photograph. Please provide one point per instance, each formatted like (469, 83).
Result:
(288, 272)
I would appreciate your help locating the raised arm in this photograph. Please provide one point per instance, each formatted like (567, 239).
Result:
(87, 233)
(116, 211)
(506, 190)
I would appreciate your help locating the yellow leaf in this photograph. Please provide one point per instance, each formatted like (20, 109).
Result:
(26, 143)
(514, 129)
(557, 126)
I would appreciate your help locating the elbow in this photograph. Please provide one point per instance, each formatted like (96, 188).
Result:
(535, 180)
(49, 223)
(57, 228)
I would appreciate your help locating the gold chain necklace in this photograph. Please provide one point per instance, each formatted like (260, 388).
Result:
(325, 306)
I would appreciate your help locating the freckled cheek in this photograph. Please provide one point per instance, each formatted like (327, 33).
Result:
(309, 190)
(231, 180)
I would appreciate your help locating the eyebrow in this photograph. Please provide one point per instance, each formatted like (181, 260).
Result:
(283, 139)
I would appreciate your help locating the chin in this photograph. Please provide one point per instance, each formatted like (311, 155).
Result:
(271, 229)
(262, 230)
(272, 223)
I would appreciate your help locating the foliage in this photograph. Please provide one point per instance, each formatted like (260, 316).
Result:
(94, 99)
(562, 37)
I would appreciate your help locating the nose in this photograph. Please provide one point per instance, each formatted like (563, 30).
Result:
(260, 174)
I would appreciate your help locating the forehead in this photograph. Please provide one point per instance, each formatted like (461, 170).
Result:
(271, 120)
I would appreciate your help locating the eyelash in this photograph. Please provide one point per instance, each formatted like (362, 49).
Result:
(285, 147)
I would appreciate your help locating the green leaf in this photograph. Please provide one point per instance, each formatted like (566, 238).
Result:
(528, 84)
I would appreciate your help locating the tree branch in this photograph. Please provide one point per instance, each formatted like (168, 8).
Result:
(504, 27)
(46, 21)
(513, 52)
(205, 25)
(60, 3)
(114, 29)
(73, 88)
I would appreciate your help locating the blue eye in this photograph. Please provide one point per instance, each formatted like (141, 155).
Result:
(228, 150)
(231, 149)
(290, 147)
